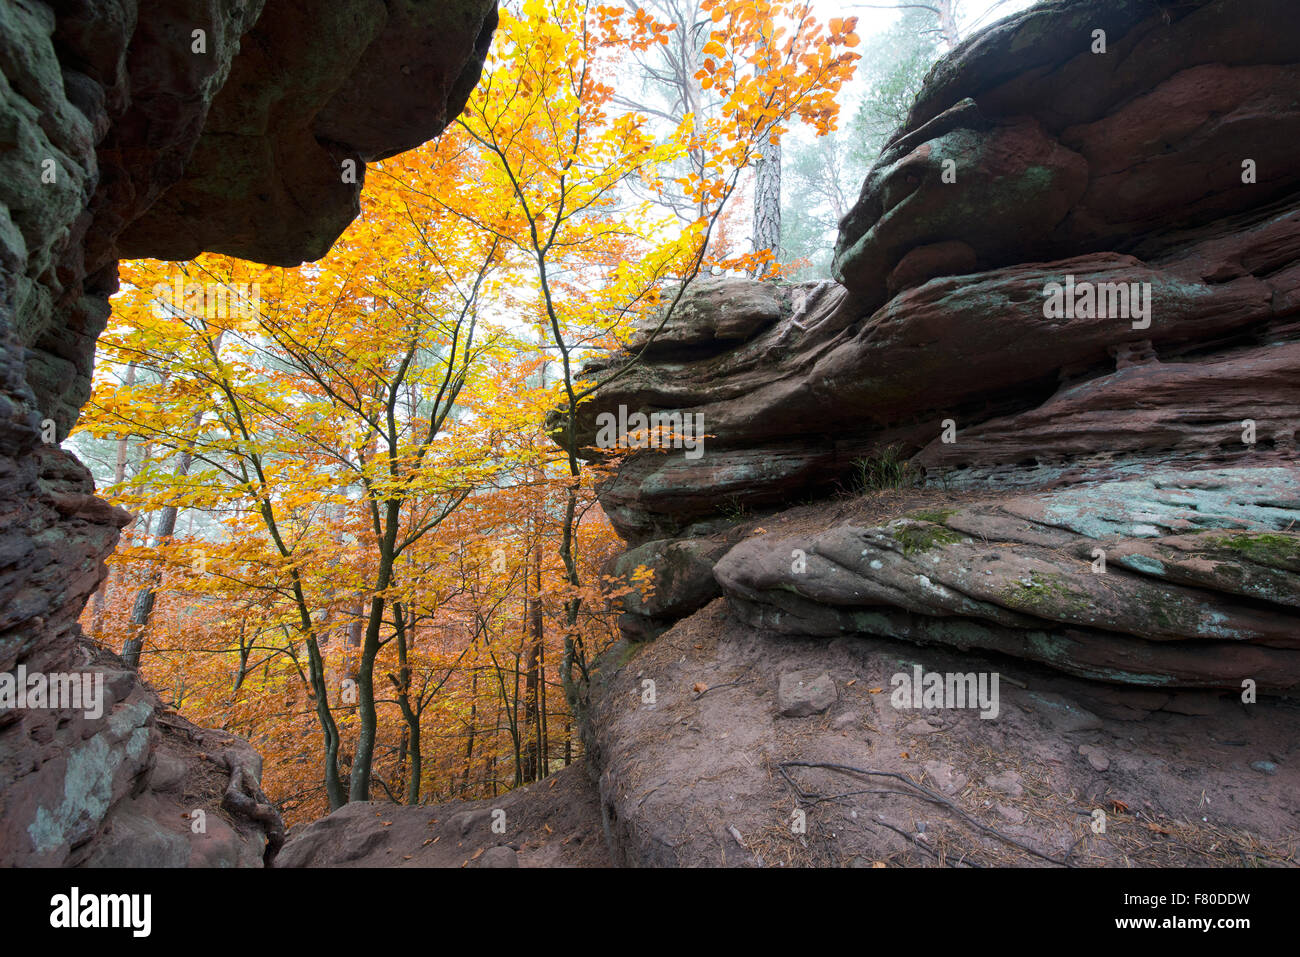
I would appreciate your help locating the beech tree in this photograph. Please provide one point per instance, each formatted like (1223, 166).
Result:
(339, 391)
(546, 87)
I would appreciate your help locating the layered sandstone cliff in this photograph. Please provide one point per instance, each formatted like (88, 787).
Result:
(161, 130)
(1071, 285)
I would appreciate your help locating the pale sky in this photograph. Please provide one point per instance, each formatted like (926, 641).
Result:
(877, 15)
(872, 20)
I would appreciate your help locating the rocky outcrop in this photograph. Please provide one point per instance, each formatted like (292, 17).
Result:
(160, 130)
(553, 823)
(1029, 160)
(1071, 288)
(788, 411)
(128, 784)
(1177, 579)
(314, 85)
(937, 469)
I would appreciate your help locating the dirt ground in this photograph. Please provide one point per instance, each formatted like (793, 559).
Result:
(711, 774)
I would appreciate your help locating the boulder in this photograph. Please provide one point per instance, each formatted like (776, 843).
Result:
(804, 693)
(682, 581)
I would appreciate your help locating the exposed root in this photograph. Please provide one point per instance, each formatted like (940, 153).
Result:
(245, 798)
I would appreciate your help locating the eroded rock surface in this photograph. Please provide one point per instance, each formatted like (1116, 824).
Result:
(1162, 166)
(1071, 284)
(724, 779)
(160, 130)
(1178, 579)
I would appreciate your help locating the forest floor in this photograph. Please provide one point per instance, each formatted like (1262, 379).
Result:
(713, 773)
(715, 776)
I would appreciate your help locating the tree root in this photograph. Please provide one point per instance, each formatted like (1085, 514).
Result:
(915, 790)
(244, 798)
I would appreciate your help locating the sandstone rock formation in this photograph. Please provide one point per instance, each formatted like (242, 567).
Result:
(1071, 288)
(1175, 579)
(161, 130)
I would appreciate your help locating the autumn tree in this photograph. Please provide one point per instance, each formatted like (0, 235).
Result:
(339, 392)
(824, 173)
(679, 87)
(561, 161)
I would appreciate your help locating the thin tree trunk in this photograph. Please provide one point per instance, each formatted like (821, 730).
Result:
(245, 647)
(142, 608)
(534, 768)
(402, 682)
(359, 789)
(543, 746)
(119, 474)
(767, 205)
(469, 745)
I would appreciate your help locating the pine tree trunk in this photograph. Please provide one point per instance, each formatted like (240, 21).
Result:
(119, 474)
(142, 609)
(948, 23)
(767, 205)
